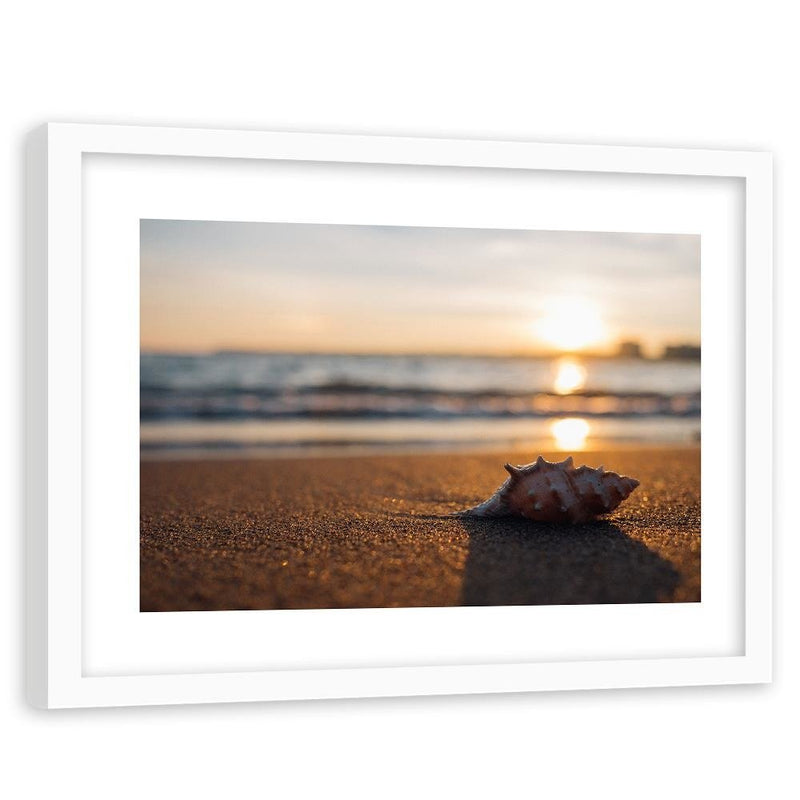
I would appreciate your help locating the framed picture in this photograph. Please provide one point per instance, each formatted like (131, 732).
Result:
(317, 416)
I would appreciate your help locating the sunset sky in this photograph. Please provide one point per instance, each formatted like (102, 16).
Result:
(342, 288)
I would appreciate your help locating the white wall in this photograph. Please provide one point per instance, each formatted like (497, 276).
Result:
(680, 73)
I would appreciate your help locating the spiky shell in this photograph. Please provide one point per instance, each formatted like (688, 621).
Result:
(547, 491)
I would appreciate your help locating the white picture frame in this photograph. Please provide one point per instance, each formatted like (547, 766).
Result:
(64, 591)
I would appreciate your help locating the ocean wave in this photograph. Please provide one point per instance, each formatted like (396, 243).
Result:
(382, 402)
(275, 387)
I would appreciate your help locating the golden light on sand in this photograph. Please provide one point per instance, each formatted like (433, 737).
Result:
(570, 433)
(572, 323)
(570, 376)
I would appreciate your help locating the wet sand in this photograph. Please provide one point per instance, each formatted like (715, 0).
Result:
(375, 531)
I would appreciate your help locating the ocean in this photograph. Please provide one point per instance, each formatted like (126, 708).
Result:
(230, 404)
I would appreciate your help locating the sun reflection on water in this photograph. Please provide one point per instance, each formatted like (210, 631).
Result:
(570, 376)
(570, 433)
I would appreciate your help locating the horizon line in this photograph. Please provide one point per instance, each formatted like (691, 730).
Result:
(547, 354)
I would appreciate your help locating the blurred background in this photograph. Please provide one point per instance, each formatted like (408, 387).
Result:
(281, 339)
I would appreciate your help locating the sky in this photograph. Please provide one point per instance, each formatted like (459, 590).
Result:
(208, 286)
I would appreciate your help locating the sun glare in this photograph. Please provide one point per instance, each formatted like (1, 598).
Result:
(570, 433)
(570, 376)
(572, 323)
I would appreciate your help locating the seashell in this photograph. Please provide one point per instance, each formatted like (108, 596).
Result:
(547, 491)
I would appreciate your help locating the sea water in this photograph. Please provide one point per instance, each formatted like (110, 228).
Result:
(274, 404)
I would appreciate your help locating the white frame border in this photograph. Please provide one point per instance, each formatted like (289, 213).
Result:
(53, 429)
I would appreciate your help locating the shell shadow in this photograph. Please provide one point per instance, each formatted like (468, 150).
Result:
(512, 561)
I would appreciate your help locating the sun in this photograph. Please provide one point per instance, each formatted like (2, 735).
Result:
(571, 324)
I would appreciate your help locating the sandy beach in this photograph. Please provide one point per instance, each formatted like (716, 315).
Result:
(376, 531)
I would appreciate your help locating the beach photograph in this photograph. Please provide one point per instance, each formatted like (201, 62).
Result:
(352, 416)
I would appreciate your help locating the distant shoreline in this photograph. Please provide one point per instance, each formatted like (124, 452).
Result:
(544, 356)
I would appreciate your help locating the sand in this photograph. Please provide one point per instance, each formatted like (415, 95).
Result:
(375, 531)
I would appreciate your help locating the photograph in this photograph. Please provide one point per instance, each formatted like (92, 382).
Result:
(399, 400)
(357, 416)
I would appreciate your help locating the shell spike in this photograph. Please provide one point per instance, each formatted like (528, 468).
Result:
(540, 461)
(515, 472)
(567, 462)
